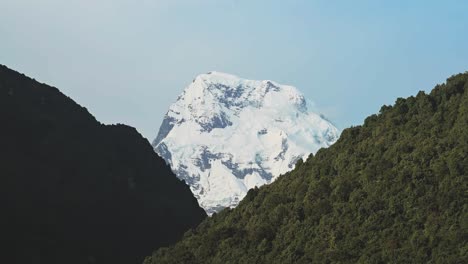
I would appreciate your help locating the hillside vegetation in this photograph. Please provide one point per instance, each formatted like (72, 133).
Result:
(393, 190)
(75, 191)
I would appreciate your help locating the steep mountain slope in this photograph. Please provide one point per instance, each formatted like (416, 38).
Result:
(225, 135)
(390, 191)
(75, 191)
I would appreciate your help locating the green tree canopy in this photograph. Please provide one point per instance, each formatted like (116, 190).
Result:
(390, 191)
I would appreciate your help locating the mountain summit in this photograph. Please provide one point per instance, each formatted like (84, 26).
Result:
(225, 135)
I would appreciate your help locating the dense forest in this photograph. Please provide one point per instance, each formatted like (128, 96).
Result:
(75, 191)
(393, 190)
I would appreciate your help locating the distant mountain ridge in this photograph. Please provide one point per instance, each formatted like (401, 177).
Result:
(75, 191)
(225, 135)
(390, 191)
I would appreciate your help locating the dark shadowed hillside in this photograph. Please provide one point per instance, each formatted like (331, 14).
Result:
(76, 191)
(393, 190)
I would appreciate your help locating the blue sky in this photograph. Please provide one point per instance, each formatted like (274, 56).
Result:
(127, 60)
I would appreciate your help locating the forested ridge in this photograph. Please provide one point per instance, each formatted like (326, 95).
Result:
(393, 190)
(76, 191)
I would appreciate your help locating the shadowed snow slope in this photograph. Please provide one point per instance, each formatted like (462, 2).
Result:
(225, 135)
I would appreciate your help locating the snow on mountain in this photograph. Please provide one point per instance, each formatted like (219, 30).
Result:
(225, 135)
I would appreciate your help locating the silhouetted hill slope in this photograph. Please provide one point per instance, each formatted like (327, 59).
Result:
(75, 191)
(393, 190)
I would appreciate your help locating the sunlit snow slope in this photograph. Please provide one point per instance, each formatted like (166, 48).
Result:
(225, 135)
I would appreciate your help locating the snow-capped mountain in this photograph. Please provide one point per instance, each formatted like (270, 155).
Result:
(225, 135)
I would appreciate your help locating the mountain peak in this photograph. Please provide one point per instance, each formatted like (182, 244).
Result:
(225, 135)
(232, 81)
(214, 77)
(218, 74)
(236, 92)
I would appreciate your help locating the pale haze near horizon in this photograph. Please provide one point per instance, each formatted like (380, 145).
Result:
(127, 61)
